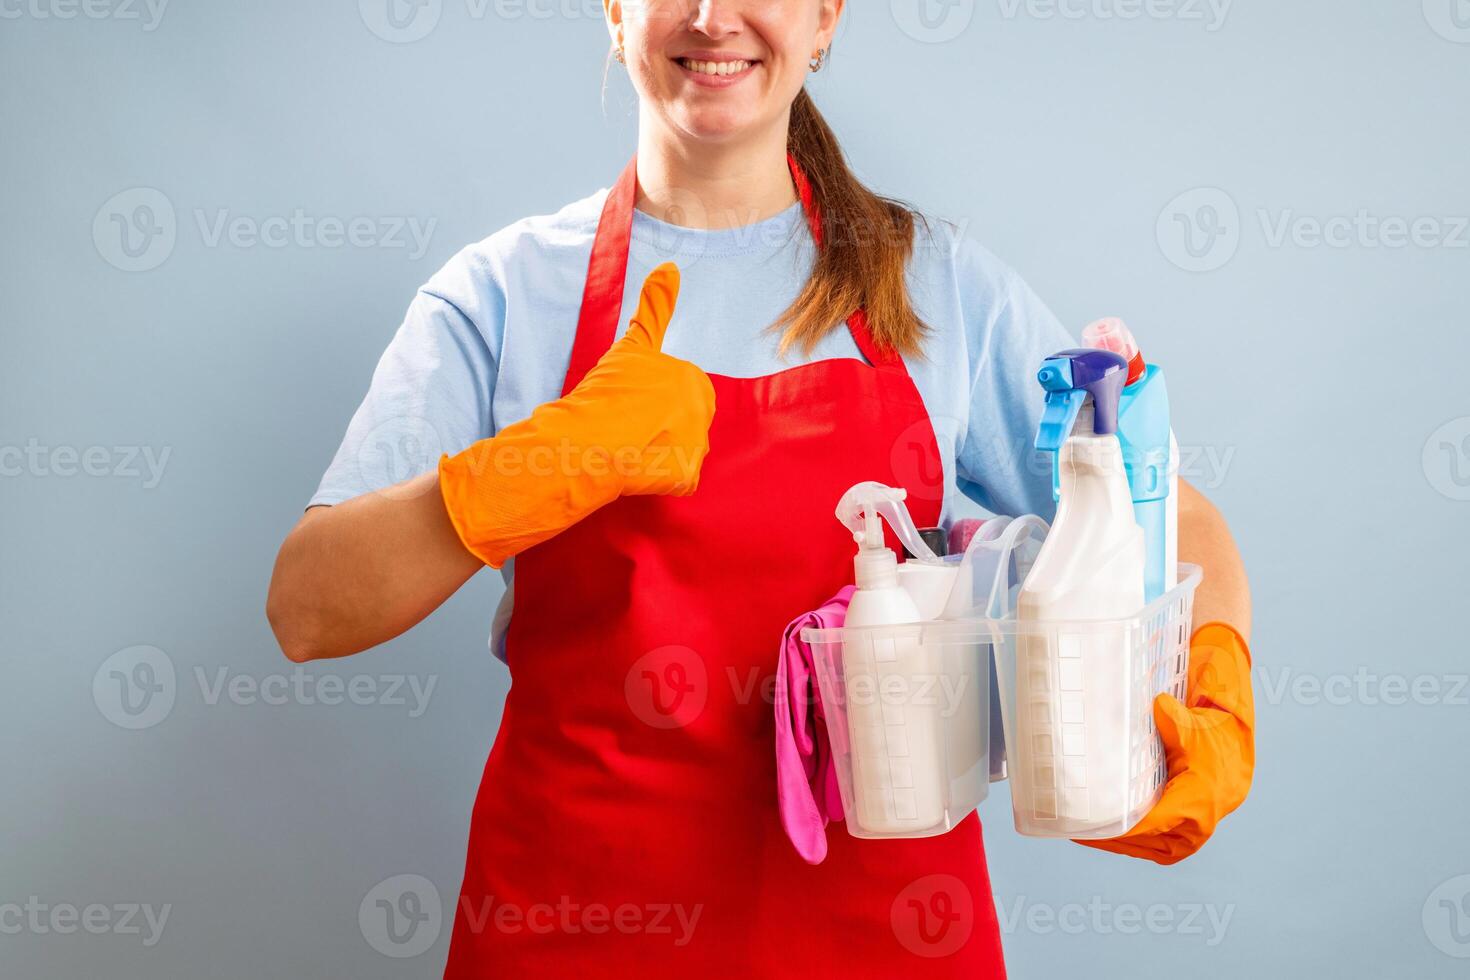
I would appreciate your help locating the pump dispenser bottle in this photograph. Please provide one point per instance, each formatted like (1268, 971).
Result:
(888, 677)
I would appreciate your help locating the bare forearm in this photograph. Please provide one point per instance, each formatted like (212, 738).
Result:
(1205, 540)
(356, 575)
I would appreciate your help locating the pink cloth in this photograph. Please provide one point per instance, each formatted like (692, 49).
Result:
(806, 778)
(962, 532)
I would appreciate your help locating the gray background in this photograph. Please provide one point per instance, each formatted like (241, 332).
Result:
(1327, 382)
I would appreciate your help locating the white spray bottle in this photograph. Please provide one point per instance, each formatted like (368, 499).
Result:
(1072, 680)
(893, 719)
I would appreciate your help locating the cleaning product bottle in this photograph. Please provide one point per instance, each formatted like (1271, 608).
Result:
(893, 718)
(929, 578)
(1069, 762)
(1150, 453)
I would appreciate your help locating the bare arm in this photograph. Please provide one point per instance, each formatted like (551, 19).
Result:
(1205, 540)
(356, 575)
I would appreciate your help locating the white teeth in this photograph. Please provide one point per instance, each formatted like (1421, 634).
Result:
(716, 67)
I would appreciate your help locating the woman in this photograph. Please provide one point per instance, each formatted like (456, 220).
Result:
(667, 522)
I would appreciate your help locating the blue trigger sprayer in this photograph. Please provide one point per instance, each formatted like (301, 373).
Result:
(1068, 378)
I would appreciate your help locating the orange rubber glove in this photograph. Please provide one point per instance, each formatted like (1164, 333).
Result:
(638, 423)
(1211, 750)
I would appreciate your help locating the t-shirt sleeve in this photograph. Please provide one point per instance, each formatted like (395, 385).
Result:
(431, 394)
(1010, 332)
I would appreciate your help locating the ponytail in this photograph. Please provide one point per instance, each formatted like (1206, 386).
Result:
(866, 244)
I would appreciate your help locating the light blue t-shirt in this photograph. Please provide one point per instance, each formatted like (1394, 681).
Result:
(489, 337)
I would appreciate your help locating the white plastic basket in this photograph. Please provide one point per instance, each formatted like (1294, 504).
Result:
(1082, 752)
(908, 718)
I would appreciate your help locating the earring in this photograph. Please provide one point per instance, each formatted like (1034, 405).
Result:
(620, 55)
(819, 61)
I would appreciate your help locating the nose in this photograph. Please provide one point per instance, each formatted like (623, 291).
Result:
(716, 19)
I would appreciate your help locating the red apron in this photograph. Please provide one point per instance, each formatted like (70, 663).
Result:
(627, 821)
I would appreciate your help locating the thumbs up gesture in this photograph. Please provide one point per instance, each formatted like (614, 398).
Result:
(637, 424)
(656, 409)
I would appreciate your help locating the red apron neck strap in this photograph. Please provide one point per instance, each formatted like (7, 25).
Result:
(607, 271)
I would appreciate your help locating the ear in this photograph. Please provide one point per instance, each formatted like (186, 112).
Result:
(612, 12)
(828, 19)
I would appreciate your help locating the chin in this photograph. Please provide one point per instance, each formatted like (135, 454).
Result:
(716, 125)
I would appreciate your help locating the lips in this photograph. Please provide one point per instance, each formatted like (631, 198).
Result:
(712, 69)
(715, 68)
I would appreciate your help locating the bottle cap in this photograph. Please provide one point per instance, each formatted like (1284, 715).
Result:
(1111, 333)
(937, 538)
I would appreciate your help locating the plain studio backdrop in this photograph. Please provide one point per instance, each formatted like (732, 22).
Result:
(214, 216)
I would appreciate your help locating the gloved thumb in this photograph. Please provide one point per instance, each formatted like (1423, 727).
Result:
(1175, 726)
(655, 307)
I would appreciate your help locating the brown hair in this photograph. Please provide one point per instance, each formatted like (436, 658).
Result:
(866, 244)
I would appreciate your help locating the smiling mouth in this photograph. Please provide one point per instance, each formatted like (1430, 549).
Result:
(716, 69)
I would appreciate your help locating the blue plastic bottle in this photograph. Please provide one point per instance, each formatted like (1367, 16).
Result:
(1149, 454)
